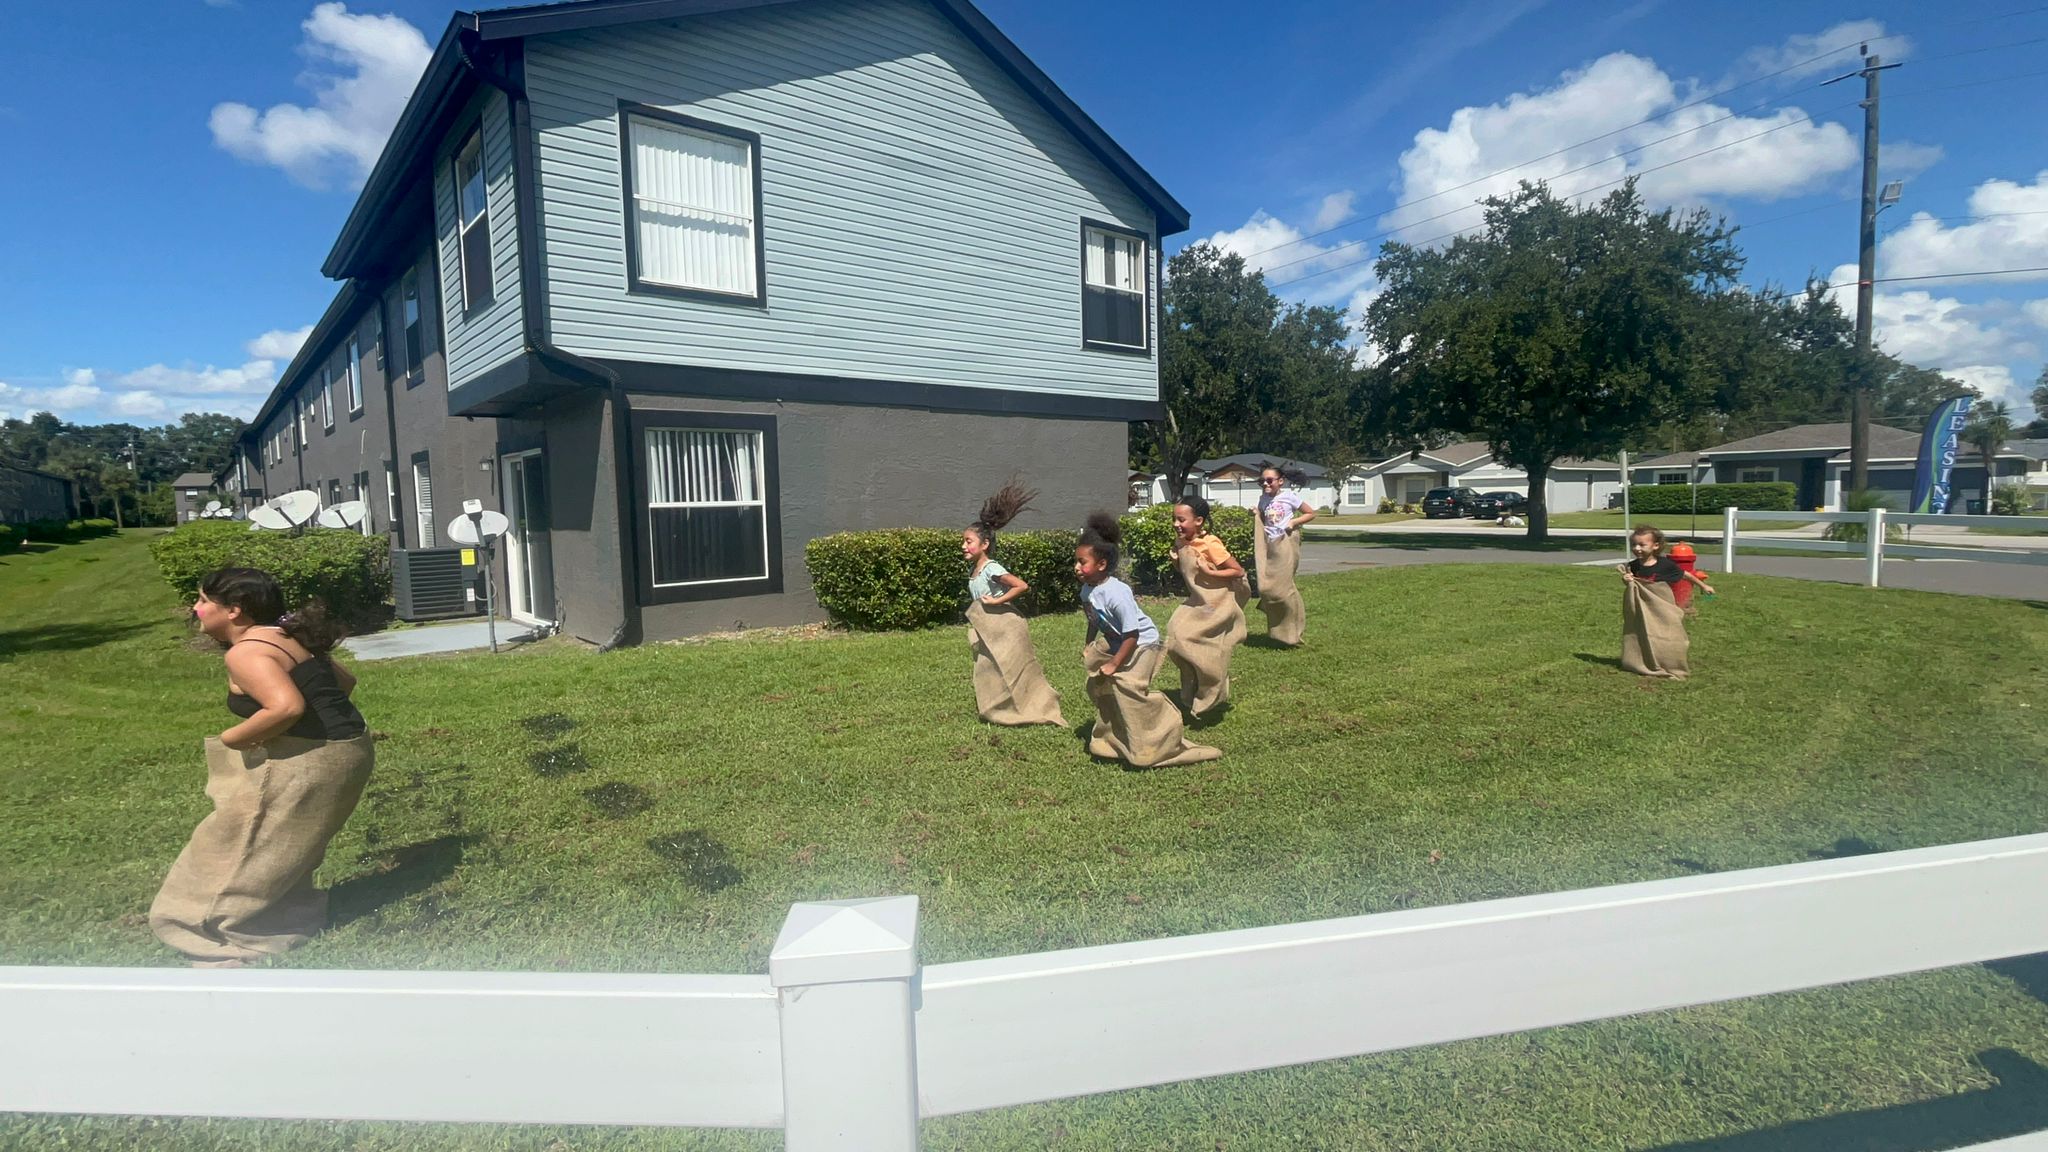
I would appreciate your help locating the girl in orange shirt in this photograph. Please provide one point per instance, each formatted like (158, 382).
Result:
(1209, 624)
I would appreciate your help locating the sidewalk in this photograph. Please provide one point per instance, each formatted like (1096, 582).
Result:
(432, 639)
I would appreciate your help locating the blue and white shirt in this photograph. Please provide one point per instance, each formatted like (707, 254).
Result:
(1116, 614)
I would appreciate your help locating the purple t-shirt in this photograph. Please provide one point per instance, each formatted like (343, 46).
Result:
(1276, 511)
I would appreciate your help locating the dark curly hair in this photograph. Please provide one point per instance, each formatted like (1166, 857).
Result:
(257, 594)
(1103, 536)
(998, 510)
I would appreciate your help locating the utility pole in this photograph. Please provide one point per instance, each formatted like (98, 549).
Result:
(1866, 274)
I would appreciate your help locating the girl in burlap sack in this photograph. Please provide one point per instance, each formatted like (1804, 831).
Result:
(1653, 639)
(283, 780)
(1281, 515)
(1133, 723)
(1009, 686)
(1209, 625)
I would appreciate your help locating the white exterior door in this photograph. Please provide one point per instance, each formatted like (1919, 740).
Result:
(529, 553)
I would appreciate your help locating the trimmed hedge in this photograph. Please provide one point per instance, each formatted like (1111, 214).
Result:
(55, 531)
(350, 572)
(1672, 499)
(916, 577)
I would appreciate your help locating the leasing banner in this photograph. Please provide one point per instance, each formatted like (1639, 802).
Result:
(1938, 456)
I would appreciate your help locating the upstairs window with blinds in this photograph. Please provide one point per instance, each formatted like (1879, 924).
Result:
(423, 500)
(473, 212)
(1113, 288)
(707, 506)
(693, 207)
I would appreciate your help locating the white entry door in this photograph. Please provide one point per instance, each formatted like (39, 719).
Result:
(529, 554)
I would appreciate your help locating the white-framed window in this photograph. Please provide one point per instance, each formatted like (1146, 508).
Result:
(1113, 281)
(415, 346)
(473, 222)
(693, 194)
(359, 490)
(423, 500)
(327, 399)
(305, 411)
(1757, 476)
(391, 496)
(1354, 491)
(707, 506)
(1673, 478)
(355, 375)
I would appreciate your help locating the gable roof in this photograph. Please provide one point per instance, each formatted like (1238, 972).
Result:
(1814, 439)
(193, 480)
(1257, 461)
(448, 80)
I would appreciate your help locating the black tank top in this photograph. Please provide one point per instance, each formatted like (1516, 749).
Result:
(329, 713)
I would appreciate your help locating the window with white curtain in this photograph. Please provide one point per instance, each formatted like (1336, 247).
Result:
(327, 399)
(692, 200)
(473, 211)
(355, 374)
(423, 500)
(1113, 287)
(707, 506)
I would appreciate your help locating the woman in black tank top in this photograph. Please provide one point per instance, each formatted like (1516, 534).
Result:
(283, 779)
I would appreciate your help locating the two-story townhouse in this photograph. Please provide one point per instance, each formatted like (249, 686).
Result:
(716, 277)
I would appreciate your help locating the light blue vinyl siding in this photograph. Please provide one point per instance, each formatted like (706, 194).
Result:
(922, 212)
(483, 339)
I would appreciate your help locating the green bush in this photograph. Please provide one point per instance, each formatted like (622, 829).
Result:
(2010, 499)
(915, 577)
(8, 536)
(1149, 536)
(1387, 505)
(1673, 499)
(349, 571)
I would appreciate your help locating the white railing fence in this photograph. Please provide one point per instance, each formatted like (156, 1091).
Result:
(847, 1042)
(1874, 548)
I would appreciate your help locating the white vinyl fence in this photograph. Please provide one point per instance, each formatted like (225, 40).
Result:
(1874, 548)
(846, 1042)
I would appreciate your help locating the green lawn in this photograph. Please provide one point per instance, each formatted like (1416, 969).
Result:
(1678, 523)
(659, 808)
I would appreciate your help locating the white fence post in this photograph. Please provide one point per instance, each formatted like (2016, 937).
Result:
(1729, 518)
(845, 973)
(1873, 547)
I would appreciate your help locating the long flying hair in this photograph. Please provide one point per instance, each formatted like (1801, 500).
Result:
(998, 510)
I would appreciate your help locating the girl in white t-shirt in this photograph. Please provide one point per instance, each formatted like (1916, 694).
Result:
(1134, 722)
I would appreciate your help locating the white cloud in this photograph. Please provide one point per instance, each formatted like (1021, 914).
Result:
(140, 404)
(1967, 341)
(251, 379)
(1906, 159)
(1834, 47)
(60, 399)
(80, 377)
(365, 67)
(1757, 157)
(278, 344)
(2037, 311)
(1265, 241)
(1334, 210)
(1993, 380)
(2012, 233)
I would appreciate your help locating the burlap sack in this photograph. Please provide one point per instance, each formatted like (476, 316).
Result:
(1133, 723)
(1009, 686)
(243, 887)
(1203, 632)
(1653, 640)
(1278, 597)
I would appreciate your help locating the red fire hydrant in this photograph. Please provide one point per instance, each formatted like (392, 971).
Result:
(1683, 556)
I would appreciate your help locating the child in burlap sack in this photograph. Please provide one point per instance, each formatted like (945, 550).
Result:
(283, 780)
(1653, 639)
(1009, 686)
(1134, 722)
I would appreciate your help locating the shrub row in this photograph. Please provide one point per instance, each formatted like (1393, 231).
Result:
(54, 531)
(915, 577)
(1671, 499)
(349, 571)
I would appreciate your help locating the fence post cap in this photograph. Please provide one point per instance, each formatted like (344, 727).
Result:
(841, 941)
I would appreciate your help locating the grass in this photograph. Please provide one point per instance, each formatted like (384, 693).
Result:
(1678, 523)
(659, 808)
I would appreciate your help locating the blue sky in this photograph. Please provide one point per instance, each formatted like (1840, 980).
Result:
(164, 219)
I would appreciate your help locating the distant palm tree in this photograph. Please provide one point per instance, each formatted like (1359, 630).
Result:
(1989, 426)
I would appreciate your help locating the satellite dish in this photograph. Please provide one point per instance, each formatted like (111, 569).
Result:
(347, 514)
(212, 506)
(286, 512)
(486, 526)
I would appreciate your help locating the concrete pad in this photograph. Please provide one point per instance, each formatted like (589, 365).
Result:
(428, 639)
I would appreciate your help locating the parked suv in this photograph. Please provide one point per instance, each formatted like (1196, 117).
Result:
(1494, 505)
(1440, 503)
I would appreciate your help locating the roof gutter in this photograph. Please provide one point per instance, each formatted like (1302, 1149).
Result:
(533, 301)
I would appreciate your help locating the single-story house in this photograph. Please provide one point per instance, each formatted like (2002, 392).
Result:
(192, 493)
(1233, 482)
(31, 494)
(1572, 486)
(1815, 457)
(680, 285)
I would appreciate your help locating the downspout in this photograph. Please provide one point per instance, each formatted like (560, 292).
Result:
(390, 477)
(532, 307)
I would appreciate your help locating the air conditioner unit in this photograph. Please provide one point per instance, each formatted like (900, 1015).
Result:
(427, 584)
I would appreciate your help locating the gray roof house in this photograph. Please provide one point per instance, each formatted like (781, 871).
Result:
(1815, 457)
(192, 492)
(679, 285)
(1573, 485)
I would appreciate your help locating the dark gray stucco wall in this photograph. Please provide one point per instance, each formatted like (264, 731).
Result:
(26, 495)
(846, 467)
(583, 506)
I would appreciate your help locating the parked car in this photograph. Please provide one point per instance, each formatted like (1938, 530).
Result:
(1506, 502)
(1489, 506)
(1449, 503)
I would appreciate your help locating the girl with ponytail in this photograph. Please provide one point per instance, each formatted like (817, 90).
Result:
(1209, 625)
(1009, 685)
(283, 779)
(1133, 723)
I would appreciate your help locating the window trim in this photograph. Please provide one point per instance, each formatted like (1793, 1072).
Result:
(1144, 262)
(326, 398)
(427, 534)
(352, 364)
(413, 372)
(635, 284)
(1773, 469)
(462, 229)
(641, 422)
